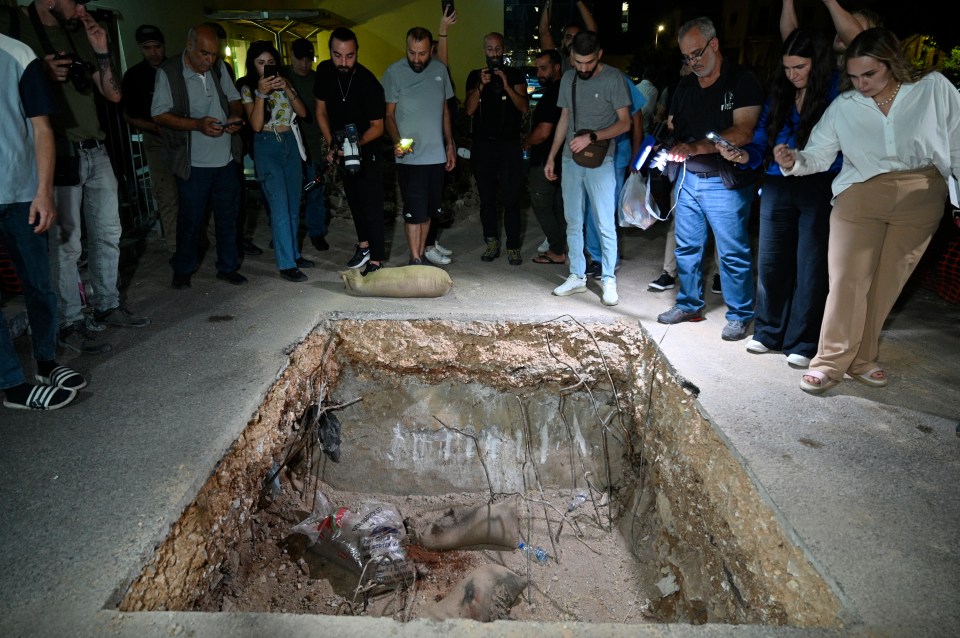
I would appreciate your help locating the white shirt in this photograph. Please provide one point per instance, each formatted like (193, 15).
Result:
(922, 129)
(650, 92)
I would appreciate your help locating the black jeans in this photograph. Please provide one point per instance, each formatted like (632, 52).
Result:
(365, 196)
(546, 199)
(499, 161)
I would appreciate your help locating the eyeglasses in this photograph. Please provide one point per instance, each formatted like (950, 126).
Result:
(697, 55)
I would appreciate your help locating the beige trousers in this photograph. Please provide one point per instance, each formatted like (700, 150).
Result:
(879, 230)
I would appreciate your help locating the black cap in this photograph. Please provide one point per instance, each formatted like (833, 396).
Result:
(148, 33)
(303, 48)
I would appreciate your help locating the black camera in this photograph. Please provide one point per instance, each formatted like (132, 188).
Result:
(349, 142)
(496, 82)
(78, 73)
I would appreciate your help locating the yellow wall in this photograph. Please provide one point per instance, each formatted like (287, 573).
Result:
(381, 26)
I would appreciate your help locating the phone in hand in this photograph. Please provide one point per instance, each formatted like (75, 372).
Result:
(443, 7)
(226, 124)
(270, 70)
(406, 144)
(722, 141)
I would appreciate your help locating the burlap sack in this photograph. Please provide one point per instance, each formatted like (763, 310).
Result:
(406, 281)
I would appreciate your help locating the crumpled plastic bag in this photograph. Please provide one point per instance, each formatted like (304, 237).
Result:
(638, 208)
(371, 542)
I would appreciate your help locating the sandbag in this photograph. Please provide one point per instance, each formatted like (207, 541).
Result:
(485, 594)
(405, 281)
(487, 526)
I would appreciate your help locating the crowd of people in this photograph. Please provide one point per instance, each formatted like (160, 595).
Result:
(852, 145)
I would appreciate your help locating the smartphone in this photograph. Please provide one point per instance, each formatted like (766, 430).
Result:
(226, 124)
(443, 7)
(270, 70)
(406, 144)
(722, 141)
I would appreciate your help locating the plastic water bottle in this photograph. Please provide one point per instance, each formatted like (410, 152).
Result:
(536, 553)
(577, 501)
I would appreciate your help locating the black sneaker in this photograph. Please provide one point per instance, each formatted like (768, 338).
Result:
(234, 278)
(293, 274)
(250, 248)
(416, 262)
(120, 316)
(303, 262)
(371, 267)
(181, 282)
(79, 338)
(320, 242)
(595, 270)
(679, 315)
(661, 283)
(715, 287)
(360, 257)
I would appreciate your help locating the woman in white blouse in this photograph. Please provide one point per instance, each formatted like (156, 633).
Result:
(900, 139)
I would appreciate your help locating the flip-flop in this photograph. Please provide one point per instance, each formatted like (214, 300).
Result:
(867, 378)
(543, 258)
(816, 388)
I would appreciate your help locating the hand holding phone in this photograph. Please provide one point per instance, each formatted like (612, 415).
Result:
(270, 70)
(722, 141)
(443, 7)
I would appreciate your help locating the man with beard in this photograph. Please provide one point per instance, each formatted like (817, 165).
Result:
(196, 103)
(349, 94)
(722, 97)
(568, 33)
(545, 196)
(595, 106)
(416, 90)
(497, 100)
(138, 84)
(303, 78)
(75, 50)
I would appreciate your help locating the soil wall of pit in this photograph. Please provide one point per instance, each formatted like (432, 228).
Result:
(715, 536)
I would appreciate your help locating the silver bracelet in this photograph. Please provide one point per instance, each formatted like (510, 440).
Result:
(260, 95)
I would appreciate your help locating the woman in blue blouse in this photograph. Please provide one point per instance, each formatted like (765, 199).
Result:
(272, 105)
(794, 212)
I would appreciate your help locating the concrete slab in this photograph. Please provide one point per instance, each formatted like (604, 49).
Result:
(866, 479)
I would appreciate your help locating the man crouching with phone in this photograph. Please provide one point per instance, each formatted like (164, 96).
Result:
(203, 151)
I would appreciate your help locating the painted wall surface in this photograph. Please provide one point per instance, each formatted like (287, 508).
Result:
(380, 26)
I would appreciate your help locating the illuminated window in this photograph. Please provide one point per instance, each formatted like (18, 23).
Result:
(625, 17)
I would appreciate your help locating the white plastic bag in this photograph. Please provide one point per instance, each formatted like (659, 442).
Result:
(637, 206)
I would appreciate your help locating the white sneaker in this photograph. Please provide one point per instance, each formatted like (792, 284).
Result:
(544, 246)
(572, 285)
(756, 347)
(446, 252)
(798, 361)
(436, 257)
(610, 297)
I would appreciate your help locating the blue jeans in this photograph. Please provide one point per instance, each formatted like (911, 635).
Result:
(315, 210)
(592, 233)
(703, 203)
(29, 253)
(598, 184)
(276, 158)
(97, 193)
(792, 262)
(221, 187)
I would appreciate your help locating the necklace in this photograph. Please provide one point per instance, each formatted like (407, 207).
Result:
(349, 84)
(889, 99)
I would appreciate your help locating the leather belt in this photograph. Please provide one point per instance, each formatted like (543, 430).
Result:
(87, 145)
(713, 174)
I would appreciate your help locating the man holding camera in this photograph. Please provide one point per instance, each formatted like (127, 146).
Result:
(418, 122)
(348, 94)
(199, 108)
(497, 100)
(76, 53)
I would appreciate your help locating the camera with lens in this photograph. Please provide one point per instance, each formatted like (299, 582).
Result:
(496, 82)
(78, 73)
(349, 142)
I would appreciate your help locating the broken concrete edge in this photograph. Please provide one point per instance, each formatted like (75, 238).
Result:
(696, 464)
(211, 522)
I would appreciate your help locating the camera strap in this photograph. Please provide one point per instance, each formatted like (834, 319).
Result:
(42, 32)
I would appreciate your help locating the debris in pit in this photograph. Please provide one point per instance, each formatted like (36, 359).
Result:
(485, 594)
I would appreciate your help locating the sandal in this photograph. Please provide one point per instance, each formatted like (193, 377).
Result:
(867, 378)
(824, 382)
(545, 258)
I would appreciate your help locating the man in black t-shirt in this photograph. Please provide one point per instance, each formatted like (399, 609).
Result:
(722, 97)
(545, 195)
(497, 99)
(348, 93)
(137, 85)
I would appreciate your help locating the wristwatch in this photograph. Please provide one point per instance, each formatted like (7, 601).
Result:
(593, 136)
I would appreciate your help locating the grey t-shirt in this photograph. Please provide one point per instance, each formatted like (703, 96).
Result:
(205, 151)
(597, 102)
(420, 99)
